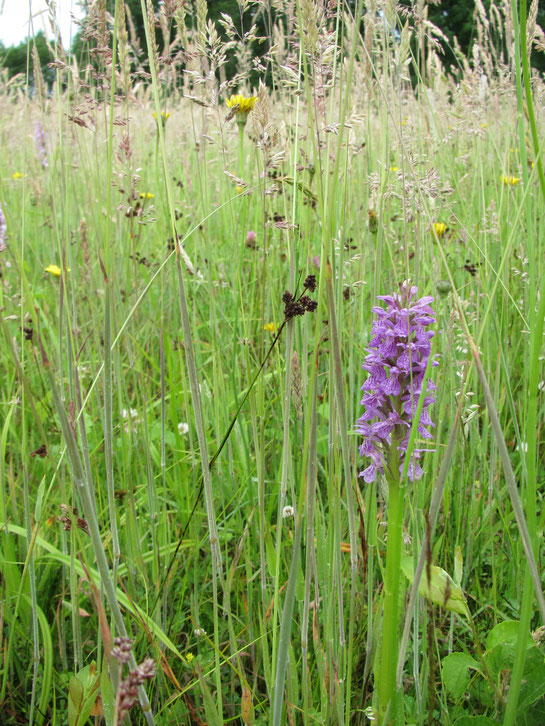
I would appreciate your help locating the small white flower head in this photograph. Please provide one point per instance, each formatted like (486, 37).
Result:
(131, 414)
(523, 446)
(370, 713)
(183, 428)
(288, 511)
(199, 632)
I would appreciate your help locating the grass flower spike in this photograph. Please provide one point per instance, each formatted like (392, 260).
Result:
(396, 362)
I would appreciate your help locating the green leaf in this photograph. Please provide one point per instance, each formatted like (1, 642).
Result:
(455, 673)
(212, 717)
(475, 721)
(75, 692)
(39, 500)
(458, 565)
(108, 696)
(82, 695)
(440, 588)
(533, 679)
(506, 633)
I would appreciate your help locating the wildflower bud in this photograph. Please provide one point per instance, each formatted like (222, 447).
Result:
(128, 689)
(372, 221)
(3, 230)
(122, 649)
(443, 287)
(250, 239)
(39, 137)
(310, 283)
(308, 304)
(293, 309)
(438, 230)
(66, 520)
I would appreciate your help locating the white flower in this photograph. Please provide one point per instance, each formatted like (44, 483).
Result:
(199, 632)
(288, 511)
(183, 428)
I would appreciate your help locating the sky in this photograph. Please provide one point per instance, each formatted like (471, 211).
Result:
(14, 19)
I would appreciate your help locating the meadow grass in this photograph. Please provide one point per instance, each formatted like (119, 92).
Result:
(178, 458)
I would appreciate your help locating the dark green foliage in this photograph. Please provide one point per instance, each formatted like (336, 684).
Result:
(16, 57)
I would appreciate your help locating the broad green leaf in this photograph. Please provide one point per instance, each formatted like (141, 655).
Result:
(533, 679)
(455, 673)
(506, 633)
(440, 588)
(82, 695)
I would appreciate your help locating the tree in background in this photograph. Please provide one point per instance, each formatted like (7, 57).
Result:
(15, 59)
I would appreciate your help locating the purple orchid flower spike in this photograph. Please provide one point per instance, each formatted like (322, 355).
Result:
(396, 362)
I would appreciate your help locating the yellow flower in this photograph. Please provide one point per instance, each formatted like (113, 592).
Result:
(510, 180)
(164, 115)
(189, 656)
(270, 327)
(17, 175)
(146, 195)
(239, 189)
(439, 229)
(484, 125)
(242, 104)
(394, 168)
(55, 270)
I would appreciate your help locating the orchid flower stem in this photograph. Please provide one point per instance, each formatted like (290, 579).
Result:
(386, 677)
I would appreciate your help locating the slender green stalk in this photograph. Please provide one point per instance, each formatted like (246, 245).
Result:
(536, 325)
(385, 677)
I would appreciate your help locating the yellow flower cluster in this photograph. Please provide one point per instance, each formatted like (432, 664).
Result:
(55, 270)
(439, 229)
(509, 181)
(270, 327)
(242, 103)
(146, 195)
